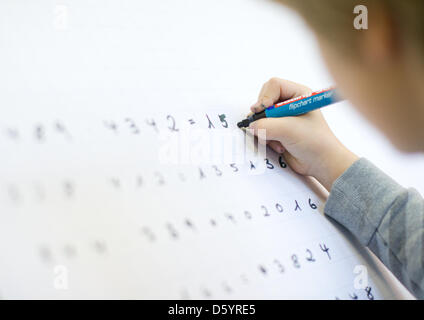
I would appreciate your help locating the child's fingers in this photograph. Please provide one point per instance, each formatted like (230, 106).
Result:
(263, 139)
(272, 128)
(256, 107)
(276, 90)
(273, 144)
(276, 146)
(270, 92)
(267, 96)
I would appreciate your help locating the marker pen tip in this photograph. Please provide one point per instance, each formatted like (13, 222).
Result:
(243, 124)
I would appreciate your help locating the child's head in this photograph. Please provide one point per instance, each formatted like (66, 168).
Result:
(380, 69)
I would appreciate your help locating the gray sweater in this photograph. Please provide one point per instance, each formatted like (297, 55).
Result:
(385, 217)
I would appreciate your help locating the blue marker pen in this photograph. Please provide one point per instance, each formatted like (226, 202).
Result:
(295, 106)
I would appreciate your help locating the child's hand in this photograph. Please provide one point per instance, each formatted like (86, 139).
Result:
(308, 145)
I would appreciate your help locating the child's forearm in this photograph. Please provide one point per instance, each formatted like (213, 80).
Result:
(384, 216)
(334, 163)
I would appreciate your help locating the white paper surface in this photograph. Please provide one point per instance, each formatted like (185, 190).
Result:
(89, 205)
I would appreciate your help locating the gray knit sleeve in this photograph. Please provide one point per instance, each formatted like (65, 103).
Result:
(384, 216)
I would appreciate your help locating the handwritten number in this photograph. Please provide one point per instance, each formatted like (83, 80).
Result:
(295, 260)
(309, 256)
(210, 124)
(152, 123)
(223, 121)
(248, 215)
(40, 133)
(12, 133)
(325, 249)
(280, 267)
(269, 165)
(172, 127)
(353, 296)
(217, 171)
(311, 204)
(230, 217)
(172, 231)
(132, 125)
(369, 294)
(148, 233)
(297, 207)
(111, 125)
(282, 163)
(62, 129)
(279, 207)
(266, 214)
(262, 269)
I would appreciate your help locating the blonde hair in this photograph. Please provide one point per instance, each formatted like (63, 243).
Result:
(333, 19)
